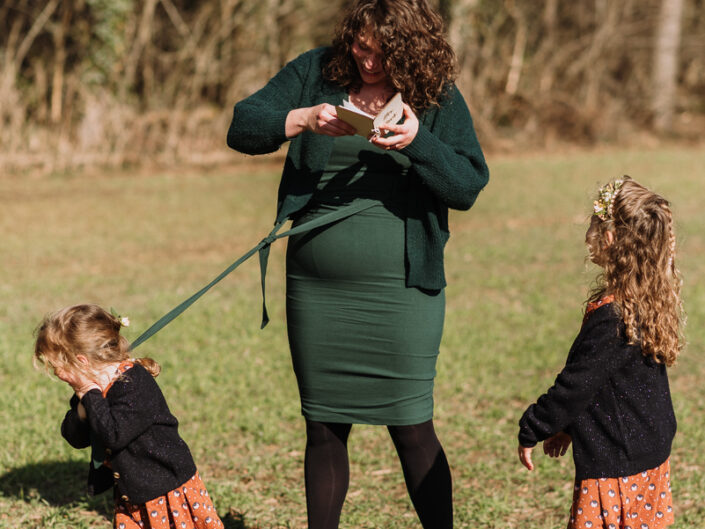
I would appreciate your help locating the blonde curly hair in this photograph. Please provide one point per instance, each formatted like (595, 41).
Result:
(638, 259)
(86, 330)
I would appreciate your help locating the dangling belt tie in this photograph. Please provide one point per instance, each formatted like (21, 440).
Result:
(263, 249)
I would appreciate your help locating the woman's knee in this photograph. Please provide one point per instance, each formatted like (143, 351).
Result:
(321, 433)
(414, 435)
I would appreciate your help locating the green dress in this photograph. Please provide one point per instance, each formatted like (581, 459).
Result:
(363, 345)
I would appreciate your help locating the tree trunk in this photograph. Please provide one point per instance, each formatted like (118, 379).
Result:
(666, 64)
(57, 82)
(517, 62)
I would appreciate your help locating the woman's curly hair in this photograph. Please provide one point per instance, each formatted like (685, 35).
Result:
(639, 269)
(418, 61)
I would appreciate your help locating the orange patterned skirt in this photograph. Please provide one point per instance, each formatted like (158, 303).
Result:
(186, 507)
(641, 501)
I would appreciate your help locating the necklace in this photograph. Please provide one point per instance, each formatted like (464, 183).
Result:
(370, 98)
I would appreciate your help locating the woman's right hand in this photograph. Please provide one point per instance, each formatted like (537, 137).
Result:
(320, 119)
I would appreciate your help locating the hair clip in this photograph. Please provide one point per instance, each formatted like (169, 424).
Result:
(124, 320)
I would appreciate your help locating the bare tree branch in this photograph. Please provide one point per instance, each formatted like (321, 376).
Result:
(36, 28)
(175, 17)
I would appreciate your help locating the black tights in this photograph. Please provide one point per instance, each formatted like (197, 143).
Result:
(423, 462)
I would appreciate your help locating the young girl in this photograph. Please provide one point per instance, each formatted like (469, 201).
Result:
(119, 410)
(612, 398)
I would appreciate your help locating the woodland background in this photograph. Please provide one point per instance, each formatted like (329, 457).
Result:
(120, 82)
(93, 91)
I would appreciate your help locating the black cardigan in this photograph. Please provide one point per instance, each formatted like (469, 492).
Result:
(613, 401)
(140, 435)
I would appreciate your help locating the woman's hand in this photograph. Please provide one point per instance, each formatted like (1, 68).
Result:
(321, 119)
(403, 134)
(525, 456)
(557, 445)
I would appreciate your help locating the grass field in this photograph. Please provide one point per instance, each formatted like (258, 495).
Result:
(142, 243)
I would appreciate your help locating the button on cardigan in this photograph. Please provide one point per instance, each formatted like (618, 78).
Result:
(133, 422)
(613, 401)
(448, 169)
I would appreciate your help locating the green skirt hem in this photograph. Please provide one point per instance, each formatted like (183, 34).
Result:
(356, 419)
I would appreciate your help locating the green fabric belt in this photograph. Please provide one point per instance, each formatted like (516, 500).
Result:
(263, 248)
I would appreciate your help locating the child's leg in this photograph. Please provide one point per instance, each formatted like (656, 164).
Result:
(326, 472)
(426, 472)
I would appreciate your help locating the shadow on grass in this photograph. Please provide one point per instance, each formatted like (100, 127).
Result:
(63, 484)
(236, 520)
(59, 484)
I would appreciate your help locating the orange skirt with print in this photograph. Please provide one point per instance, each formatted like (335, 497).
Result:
(185, 507)
(641, 501)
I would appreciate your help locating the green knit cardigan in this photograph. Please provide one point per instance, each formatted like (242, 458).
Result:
(448, 169)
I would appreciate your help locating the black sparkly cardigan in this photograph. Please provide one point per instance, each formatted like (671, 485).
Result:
(147, 456)
(613, 401)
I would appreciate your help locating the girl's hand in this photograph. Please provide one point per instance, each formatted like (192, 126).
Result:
(525, 456)
(321, 119)
(403, 134)
(557, 445)
(80, 383)
(82, 390)
(71, 377)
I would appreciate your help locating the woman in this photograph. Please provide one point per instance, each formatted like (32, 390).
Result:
(365, 299)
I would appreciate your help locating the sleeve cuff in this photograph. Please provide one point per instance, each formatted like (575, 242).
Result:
(526, 436)
(275, 123)
(424, 142)
(91, 396)
(526, 444)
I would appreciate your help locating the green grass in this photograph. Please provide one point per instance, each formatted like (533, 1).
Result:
(143, 243)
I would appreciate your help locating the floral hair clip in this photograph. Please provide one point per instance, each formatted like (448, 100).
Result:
(602, 207)
(124, 320)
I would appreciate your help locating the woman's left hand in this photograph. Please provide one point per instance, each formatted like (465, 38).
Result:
(403, 134)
